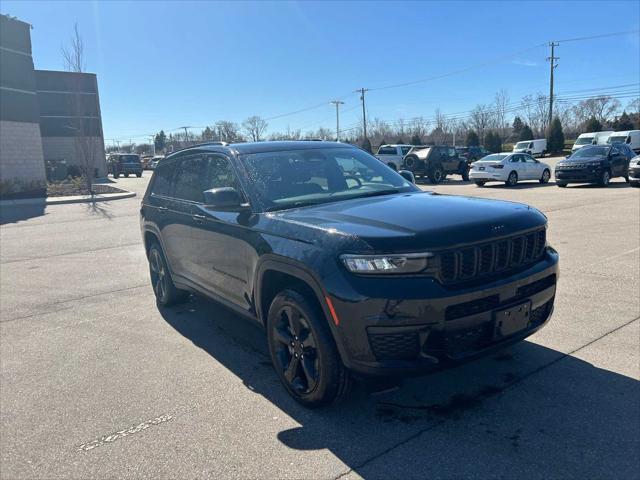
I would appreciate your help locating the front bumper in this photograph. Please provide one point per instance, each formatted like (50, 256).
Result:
(579, 175)
(409, 326)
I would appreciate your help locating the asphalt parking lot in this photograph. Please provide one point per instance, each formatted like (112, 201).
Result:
(96, 382)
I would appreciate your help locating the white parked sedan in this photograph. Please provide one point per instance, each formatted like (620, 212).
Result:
(509, 168)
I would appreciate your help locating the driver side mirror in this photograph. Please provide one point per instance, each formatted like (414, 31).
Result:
(407, 175)
(225, 198)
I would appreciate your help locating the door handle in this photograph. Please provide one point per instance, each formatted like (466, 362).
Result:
(199, 218)
(162, 209)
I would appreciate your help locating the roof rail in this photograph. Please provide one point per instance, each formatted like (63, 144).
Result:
(203, 144)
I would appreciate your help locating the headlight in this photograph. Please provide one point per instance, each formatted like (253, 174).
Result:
(377, 264)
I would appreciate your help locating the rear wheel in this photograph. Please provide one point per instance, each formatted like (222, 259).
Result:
(546, 175)
(436, 173)
(605, 178)
(139, 174)
(512, 179)
(303, 352)
(163, 287)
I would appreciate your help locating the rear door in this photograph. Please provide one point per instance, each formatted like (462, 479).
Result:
(532, 167)
(617, 162)
(187, 195)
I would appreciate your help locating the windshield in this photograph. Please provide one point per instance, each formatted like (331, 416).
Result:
(617, 139)
(387, 151)
(297, 178)
(584, 141)
(522, 144)
(592, 151)
(496, 157)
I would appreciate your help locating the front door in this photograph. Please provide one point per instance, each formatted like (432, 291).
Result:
(223, 241)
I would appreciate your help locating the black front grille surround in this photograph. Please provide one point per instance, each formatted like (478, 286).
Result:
(483, 260)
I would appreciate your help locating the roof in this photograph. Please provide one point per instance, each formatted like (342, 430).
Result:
(261, 147)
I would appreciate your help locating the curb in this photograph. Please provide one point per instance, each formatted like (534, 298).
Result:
(104, 197)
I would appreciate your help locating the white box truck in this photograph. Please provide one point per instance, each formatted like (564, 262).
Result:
(630, 137)
(532, 147)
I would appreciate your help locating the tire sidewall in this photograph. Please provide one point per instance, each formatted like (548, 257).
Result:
(329, 362)
(514, 182)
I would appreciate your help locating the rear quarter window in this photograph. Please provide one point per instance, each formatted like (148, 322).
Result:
(387, 151)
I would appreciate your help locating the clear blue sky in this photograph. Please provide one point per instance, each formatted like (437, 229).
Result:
(161, 65)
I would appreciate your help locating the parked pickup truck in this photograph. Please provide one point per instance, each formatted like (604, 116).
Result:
(392, 155)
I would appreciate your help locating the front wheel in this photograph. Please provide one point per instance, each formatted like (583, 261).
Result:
(512, 179)
(546, 175)
(303, 352)
(605, 178)
(480, 184)
(561, 184)
(464, 171)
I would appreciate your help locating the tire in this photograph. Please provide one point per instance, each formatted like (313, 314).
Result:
(436, 173)
(392, 166)
(115, 174)
(546, 175)
(480, 184)
(561, 184)
(126, 175)
(163, 287)
(464, 171)
(635, 184)
(411, 161)
(626, 178)
(605, 178)
(313, 374)
(512, 179)
(139, 175)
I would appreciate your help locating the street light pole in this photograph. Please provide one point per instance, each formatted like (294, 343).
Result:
(337, 103)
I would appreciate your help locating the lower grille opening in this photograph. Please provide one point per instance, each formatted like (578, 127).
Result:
(537, 286)
(395, 346)
(471, 308)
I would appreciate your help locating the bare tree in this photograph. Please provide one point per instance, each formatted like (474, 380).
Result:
(419, 126)
(601, 108)
(228, 131)
(501, 102)
(86, 131)
(480, 119)
(255, 127)
(73, 54)
(441, 128)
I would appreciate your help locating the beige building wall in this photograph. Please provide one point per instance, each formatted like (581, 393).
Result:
(21, 156)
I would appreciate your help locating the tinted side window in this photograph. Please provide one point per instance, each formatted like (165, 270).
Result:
(162, 180)
(405, 150)
(219, 173)
(189, 184)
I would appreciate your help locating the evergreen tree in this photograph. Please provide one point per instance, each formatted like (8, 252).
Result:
(493, 142)
(472, 139)
(592, 125)
(555, 136)
(526, 133)
(622, 123)
(160, 141)
(518, 125)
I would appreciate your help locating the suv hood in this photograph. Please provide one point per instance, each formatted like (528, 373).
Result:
(408, 221)
(592, 159)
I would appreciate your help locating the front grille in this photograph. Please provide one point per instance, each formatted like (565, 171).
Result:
(487, 259)
(394, 346)
(471, 308)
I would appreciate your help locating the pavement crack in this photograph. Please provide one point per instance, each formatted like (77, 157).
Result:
(487, 394)
(80, 252)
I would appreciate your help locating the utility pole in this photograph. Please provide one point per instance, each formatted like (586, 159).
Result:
(153, 144)
(337, 103)
(364, 112)
(552, 60)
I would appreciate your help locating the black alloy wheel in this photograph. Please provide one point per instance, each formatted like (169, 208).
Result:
(163, 287)
(303, 351)
(296, 351)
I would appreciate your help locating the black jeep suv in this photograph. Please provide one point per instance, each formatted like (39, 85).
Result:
(436, 162)
(124, 164)
(351, 269)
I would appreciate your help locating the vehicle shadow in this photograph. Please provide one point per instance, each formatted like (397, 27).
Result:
(17, 213)
(504, 414)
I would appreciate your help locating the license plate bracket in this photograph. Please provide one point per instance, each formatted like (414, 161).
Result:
(511, 320)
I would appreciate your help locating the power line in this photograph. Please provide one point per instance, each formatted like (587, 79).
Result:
(603, 35)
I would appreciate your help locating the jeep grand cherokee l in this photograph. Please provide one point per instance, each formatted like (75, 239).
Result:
(351, 269)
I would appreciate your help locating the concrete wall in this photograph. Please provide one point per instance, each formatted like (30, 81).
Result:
(66, 148)
(21, 152)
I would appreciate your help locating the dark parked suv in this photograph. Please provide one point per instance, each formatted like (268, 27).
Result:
(124, 164)
(594, 164)
(352, 270)
(436, 163)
